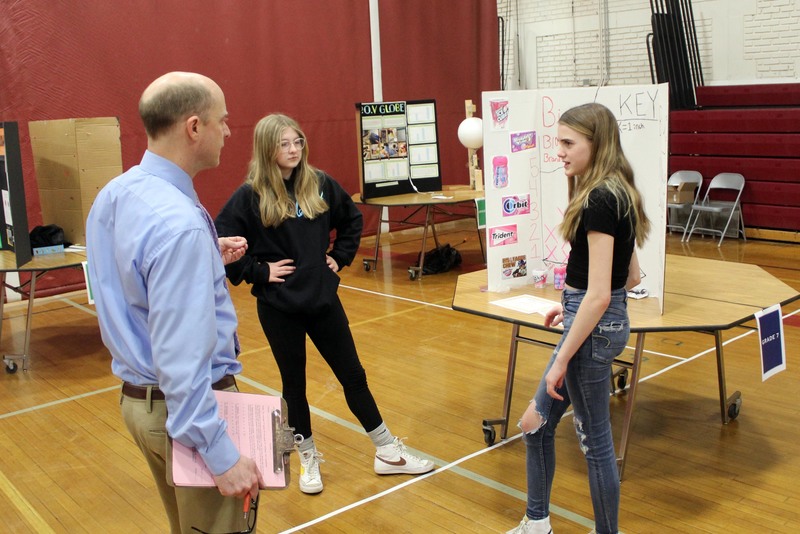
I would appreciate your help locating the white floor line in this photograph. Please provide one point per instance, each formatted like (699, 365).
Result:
(388, 296)
(57, 402)
(83, 307)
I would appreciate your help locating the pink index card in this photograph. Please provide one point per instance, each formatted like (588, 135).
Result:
(250, 425)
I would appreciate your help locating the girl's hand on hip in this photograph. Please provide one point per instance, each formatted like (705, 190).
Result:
(279, 269)
(331, 263)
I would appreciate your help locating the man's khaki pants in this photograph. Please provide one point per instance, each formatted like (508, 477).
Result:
(204, 508)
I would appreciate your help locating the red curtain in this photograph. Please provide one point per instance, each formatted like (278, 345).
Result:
(310, 59)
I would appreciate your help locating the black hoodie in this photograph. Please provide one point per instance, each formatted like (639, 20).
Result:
(313, 284)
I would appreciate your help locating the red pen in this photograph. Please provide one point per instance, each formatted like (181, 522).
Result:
(246, 506)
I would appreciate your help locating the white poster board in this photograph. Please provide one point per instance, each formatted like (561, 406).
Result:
(526, 189)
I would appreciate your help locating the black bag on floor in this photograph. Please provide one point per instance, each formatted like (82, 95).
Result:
(440, 259)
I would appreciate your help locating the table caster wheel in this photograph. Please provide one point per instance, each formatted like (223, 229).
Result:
(622, 380)
(412, 274)
(11, 367)
(366, 266)
(733, 409)
(489, 435)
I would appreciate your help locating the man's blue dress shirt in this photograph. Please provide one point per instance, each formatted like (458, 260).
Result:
(165, 313)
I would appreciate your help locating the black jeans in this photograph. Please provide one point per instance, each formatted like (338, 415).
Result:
(329, 330)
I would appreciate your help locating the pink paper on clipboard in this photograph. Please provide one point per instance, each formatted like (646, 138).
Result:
(257, 425)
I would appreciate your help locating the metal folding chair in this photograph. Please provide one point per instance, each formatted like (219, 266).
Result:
(732, 182)
(678, 178)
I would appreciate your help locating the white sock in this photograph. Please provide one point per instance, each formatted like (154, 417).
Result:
(306, 445)
(381, 436)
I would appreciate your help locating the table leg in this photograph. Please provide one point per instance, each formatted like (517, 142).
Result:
(433, 229)
(417, 271)
(516, 339)
(488, 424)
(2, 299)
(372, 263)
(729, 406)
(28, 323)
(8, 359)
(480, 239)
(631, 398)
(9, 363)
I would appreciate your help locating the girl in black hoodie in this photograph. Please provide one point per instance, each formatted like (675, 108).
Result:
(286, 209)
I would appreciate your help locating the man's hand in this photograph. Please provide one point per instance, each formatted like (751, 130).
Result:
(232, 248)
(240, 480)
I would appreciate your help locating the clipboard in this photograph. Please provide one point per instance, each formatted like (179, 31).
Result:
(258, 426)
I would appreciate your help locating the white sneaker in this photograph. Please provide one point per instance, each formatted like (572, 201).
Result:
(529, 526)
(310, 477)
(394, 459)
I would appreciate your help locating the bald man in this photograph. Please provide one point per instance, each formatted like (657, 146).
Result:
(165, 314)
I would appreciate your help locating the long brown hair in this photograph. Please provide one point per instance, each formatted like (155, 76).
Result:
(275, 204)
(608, 167)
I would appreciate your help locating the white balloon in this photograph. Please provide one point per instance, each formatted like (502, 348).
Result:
(470, 132)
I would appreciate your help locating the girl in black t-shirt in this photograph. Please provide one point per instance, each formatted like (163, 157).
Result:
(603, 222)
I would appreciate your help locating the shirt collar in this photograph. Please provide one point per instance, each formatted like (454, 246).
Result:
(168, 171)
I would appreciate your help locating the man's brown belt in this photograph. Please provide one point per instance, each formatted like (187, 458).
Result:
(140, 392)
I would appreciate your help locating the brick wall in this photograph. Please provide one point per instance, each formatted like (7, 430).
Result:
(771, 38)
(560, 45)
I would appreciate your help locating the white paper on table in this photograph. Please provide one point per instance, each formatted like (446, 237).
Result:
(526, 304)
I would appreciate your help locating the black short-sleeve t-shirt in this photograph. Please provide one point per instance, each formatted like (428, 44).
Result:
(602, 214)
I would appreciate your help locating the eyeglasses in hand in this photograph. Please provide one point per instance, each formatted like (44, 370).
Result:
(298, 143)
(250, 516)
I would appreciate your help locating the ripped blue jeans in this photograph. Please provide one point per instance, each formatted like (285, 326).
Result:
(586, 387)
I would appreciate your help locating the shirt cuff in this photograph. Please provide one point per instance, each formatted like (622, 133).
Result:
(221, 456)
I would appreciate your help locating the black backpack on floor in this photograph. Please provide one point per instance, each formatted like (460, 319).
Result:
(441, 259)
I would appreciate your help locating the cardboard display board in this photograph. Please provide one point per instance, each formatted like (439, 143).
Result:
(74, 159)
(526, 189)
(398, 148)
(14, 223)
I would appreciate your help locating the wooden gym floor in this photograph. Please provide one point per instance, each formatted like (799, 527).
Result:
(67, 465)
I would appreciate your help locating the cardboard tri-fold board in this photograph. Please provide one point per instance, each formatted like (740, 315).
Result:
(74, 159)
(682, 193)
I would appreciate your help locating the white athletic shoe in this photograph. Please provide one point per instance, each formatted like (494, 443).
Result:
(394, 459)
(310, 477)
(528, 526)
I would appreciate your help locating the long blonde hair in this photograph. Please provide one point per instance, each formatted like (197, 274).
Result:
(608, 167)
(275, 204)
